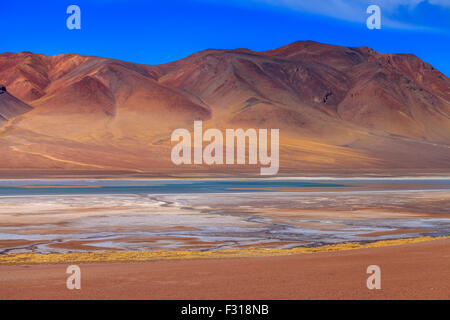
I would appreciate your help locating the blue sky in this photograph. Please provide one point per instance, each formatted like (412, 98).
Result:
(159, 31)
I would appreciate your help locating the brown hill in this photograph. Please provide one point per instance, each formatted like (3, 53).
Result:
(10, 106)
(339, 110)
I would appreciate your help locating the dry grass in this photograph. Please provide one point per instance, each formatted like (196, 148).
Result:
(140, 256)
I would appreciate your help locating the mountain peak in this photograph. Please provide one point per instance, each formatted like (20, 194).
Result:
(337, 107)
(300, 45)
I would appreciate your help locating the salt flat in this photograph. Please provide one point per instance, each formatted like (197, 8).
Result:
(235, 214)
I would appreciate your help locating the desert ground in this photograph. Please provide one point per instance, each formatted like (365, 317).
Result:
(248, 240)
(410, 271)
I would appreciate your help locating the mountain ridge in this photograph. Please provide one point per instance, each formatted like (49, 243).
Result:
(336, 108)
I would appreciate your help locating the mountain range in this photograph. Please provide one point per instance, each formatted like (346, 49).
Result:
(340, 111)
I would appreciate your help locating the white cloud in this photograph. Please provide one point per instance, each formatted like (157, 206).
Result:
(444, 3)
(354, 10)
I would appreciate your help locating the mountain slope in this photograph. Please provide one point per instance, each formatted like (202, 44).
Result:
(338, 109)
(10, 106)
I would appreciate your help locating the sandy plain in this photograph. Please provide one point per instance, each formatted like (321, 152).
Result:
(409, 271)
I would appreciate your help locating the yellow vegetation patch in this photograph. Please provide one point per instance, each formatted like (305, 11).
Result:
(136, 256)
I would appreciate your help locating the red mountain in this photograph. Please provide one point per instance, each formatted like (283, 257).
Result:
(340, 110)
